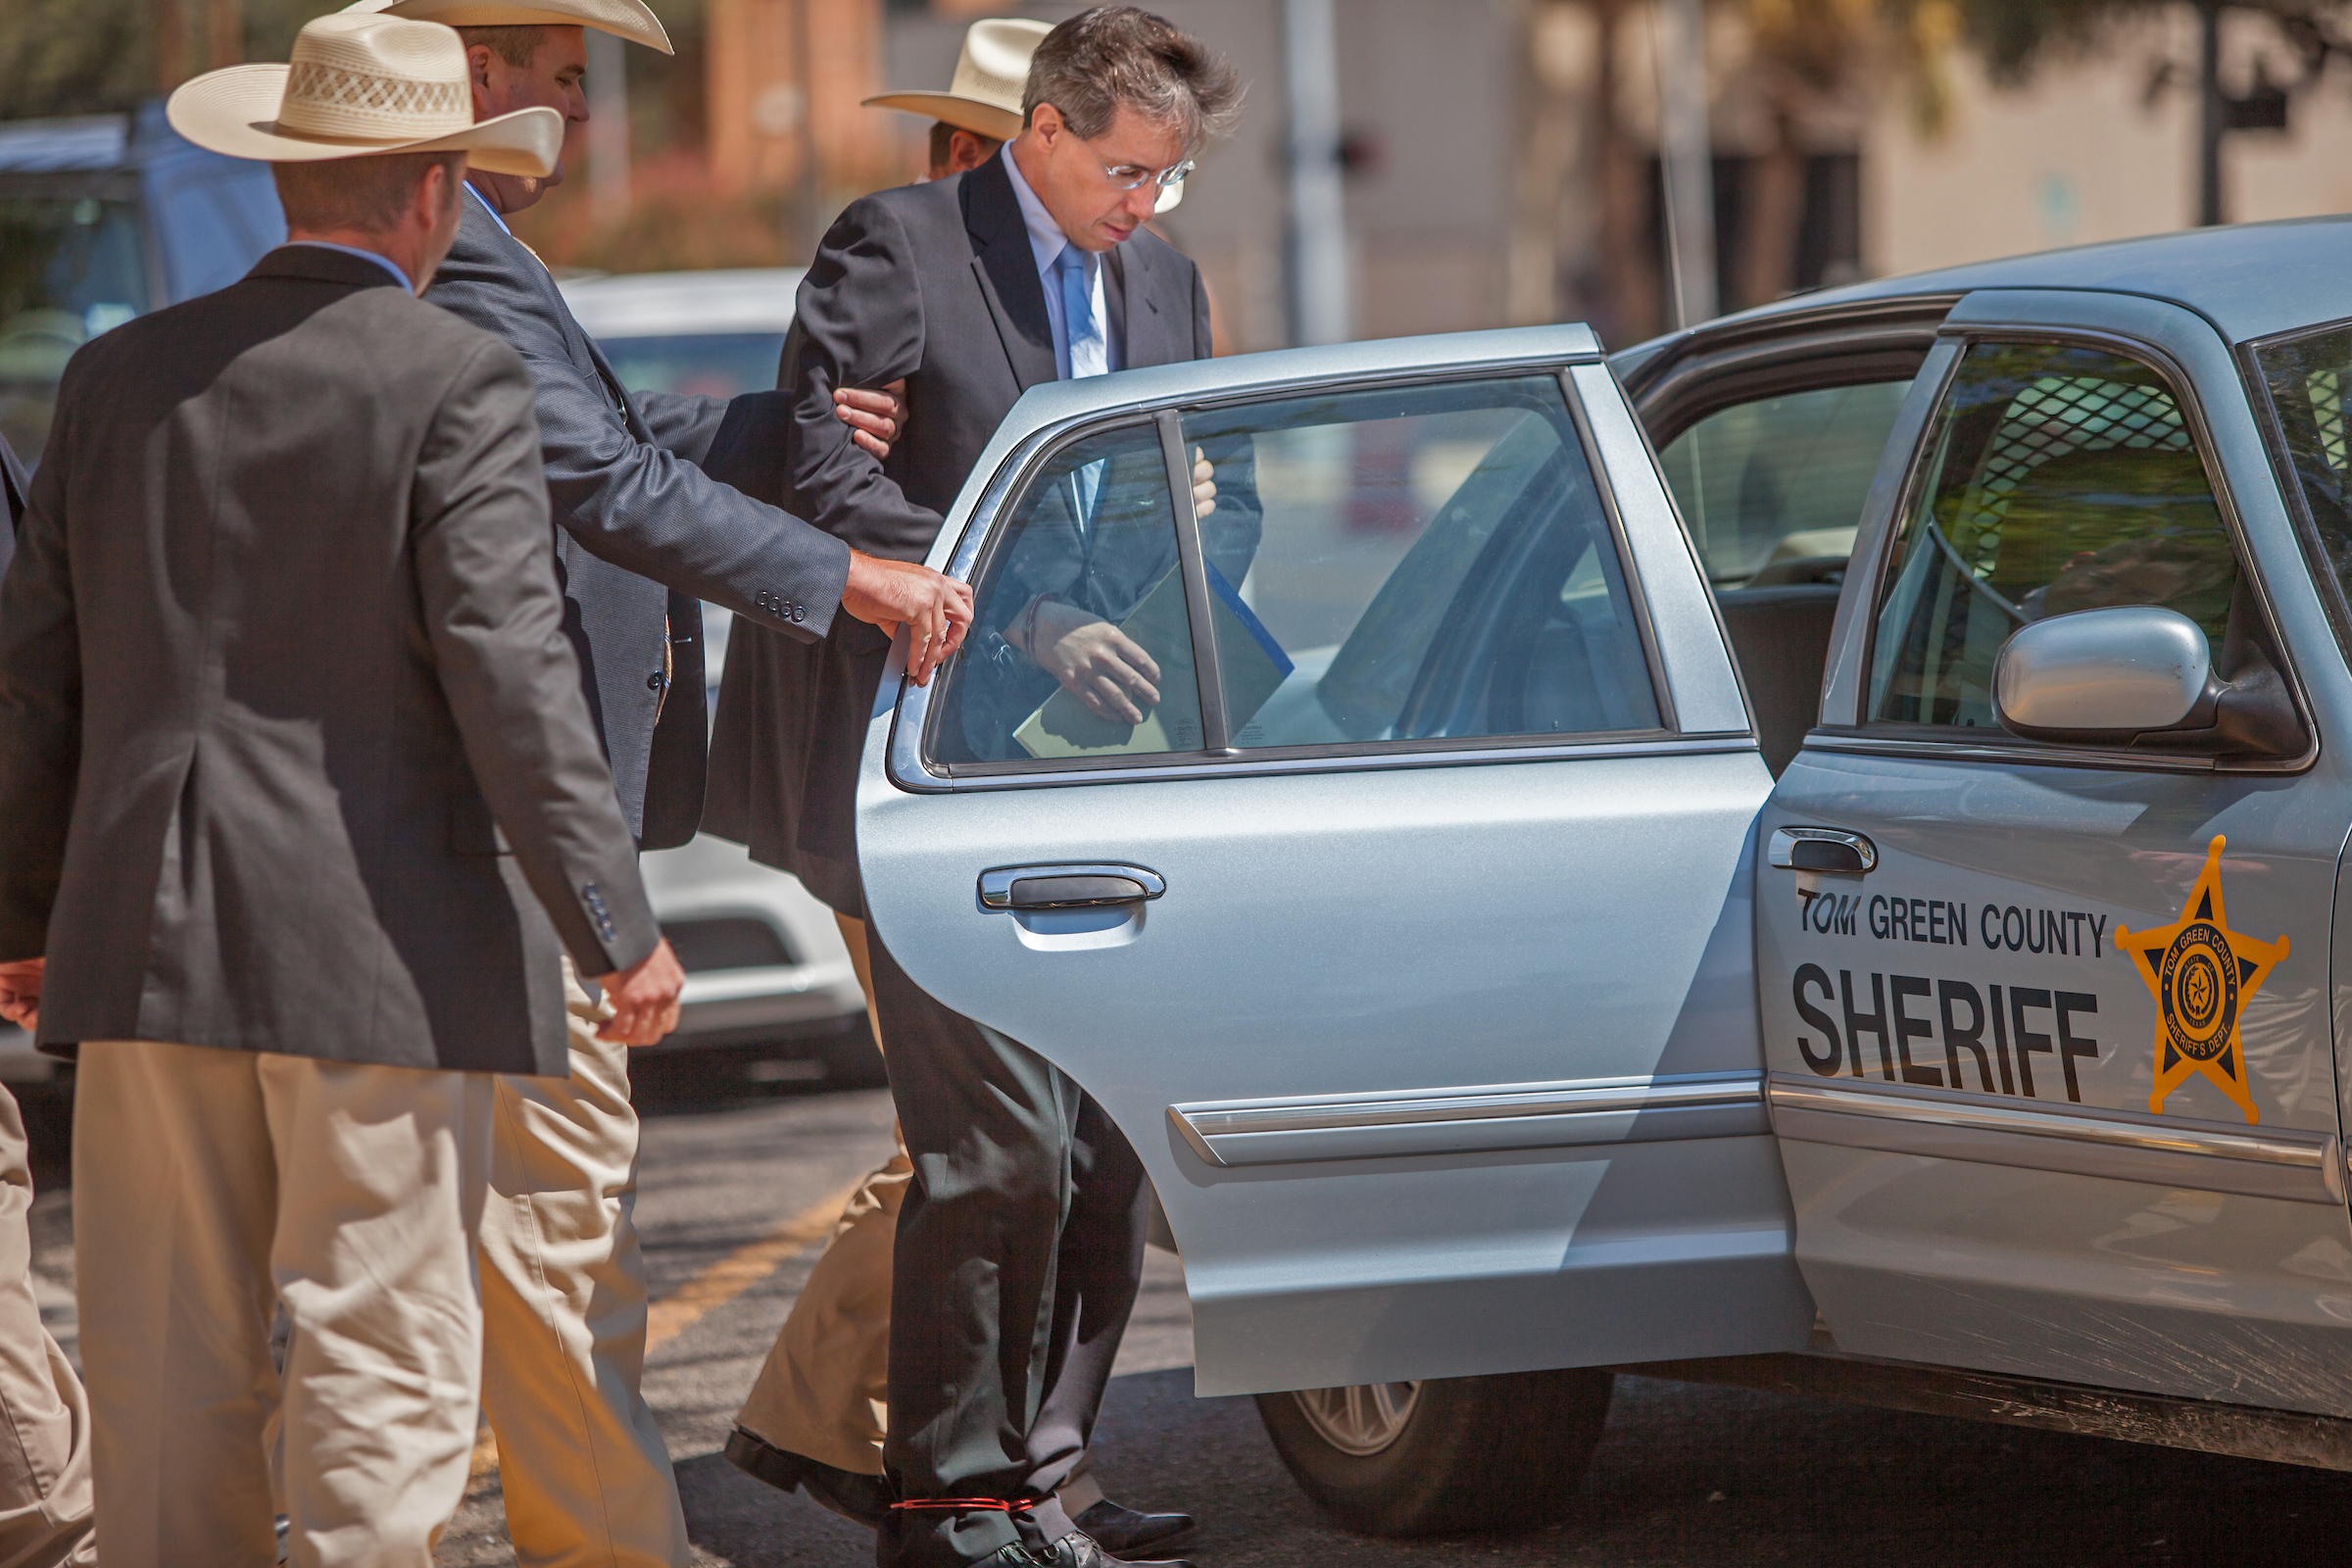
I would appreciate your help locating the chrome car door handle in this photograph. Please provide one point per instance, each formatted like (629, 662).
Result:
(1068, 887)
(1822, 849)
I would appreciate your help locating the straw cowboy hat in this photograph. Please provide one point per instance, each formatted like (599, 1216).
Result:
(624, 19)
(358, 86)
(985, 95)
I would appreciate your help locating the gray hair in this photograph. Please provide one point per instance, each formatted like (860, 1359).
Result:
(1114, 55)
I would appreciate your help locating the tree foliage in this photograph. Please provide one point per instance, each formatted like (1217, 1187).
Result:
(80, 57)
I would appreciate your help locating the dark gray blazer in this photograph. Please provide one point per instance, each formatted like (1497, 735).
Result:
(282, 652)
(935, 284)
(647, 530)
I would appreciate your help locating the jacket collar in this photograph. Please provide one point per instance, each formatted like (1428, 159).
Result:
(318, 264)
(1006, 270)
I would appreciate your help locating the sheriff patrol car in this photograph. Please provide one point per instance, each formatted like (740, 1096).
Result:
(1802, 856)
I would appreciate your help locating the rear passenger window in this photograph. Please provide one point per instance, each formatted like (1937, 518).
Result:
(2059, 478)
(1399, 564)
(1772, 491)
(1429, 562)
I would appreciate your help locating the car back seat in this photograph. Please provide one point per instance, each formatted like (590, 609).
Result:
(1781, 636)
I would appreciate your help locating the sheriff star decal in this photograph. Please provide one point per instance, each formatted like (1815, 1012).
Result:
(2203, 974)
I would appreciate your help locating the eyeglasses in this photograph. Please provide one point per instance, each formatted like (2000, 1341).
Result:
(1129, 178)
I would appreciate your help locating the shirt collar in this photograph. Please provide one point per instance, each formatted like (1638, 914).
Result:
(476, 194)
(383, 261)
(1047, 241)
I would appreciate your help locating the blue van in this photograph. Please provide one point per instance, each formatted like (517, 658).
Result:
(102, 218)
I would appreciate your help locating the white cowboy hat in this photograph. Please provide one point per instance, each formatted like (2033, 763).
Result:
(624, 19)
(984, 97)
(358, 86)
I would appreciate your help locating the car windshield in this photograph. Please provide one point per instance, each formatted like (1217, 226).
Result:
(71, 267)
(718, 365)
(2307, 378)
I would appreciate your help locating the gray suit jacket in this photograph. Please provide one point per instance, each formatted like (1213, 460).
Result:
(935, 284)
(282, 652)
(649, 527)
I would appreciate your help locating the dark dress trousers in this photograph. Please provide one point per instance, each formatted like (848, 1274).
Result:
(1020, 1244)
(649, 526)
(292, 750)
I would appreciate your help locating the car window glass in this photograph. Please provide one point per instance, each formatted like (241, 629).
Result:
(2058, 478)
(1772, 490)
(2309, 379)
(1080, 605)
(71, 267)
(1416, 564)
(712, 364)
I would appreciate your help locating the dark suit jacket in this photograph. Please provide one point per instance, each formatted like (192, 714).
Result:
(13, 487)
(647, 532)
(935, 284)
(282, 652)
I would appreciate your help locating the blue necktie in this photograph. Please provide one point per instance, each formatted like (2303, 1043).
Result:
(1088, 354)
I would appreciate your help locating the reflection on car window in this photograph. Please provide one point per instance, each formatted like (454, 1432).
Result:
(2309, 379)
(1772, 490)
(2059, 479)
(1435, 564)
(70, 268)
(1081, 643)
(712, 364)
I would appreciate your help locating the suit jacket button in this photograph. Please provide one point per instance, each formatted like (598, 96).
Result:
(653, 682)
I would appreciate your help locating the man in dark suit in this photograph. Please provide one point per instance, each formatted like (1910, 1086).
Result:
(647, 530)
(45, 1497)
(306, 814)
(1033, 266)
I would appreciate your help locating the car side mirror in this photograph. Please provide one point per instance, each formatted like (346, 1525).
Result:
(2141, 676)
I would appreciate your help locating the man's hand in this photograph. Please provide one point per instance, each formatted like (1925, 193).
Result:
(1096, 663)
(936, 609)
(1204, 484)
(644, 999)
(874, 418)
(20, 992)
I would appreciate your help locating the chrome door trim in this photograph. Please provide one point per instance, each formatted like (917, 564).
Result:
(2121, 1145)
(1441, 755)
(1435, 1121)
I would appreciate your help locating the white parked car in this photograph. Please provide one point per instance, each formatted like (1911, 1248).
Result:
(765, 968)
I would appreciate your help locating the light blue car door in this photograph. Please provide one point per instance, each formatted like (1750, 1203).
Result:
(2048, 1025)
(1406, 929)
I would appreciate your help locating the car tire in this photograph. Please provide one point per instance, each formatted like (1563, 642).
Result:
(1455, 1454)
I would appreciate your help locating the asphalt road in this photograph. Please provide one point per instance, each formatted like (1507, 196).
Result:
(736, 1180)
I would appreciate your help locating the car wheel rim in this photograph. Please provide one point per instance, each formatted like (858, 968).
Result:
(1360, 1420)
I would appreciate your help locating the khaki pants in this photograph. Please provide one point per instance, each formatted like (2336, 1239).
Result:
(824, 1389)
(44, 1418)
(585, 1473)
(209, 1186)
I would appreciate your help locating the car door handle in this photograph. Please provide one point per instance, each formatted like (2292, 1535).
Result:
(1068, 887)
(1822, 849)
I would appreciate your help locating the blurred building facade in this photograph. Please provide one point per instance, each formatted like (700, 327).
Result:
(1503, 161)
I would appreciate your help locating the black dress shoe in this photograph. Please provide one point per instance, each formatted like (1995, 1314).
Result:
(1122, 1532)
(860, 1499)
(1077, 1549)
